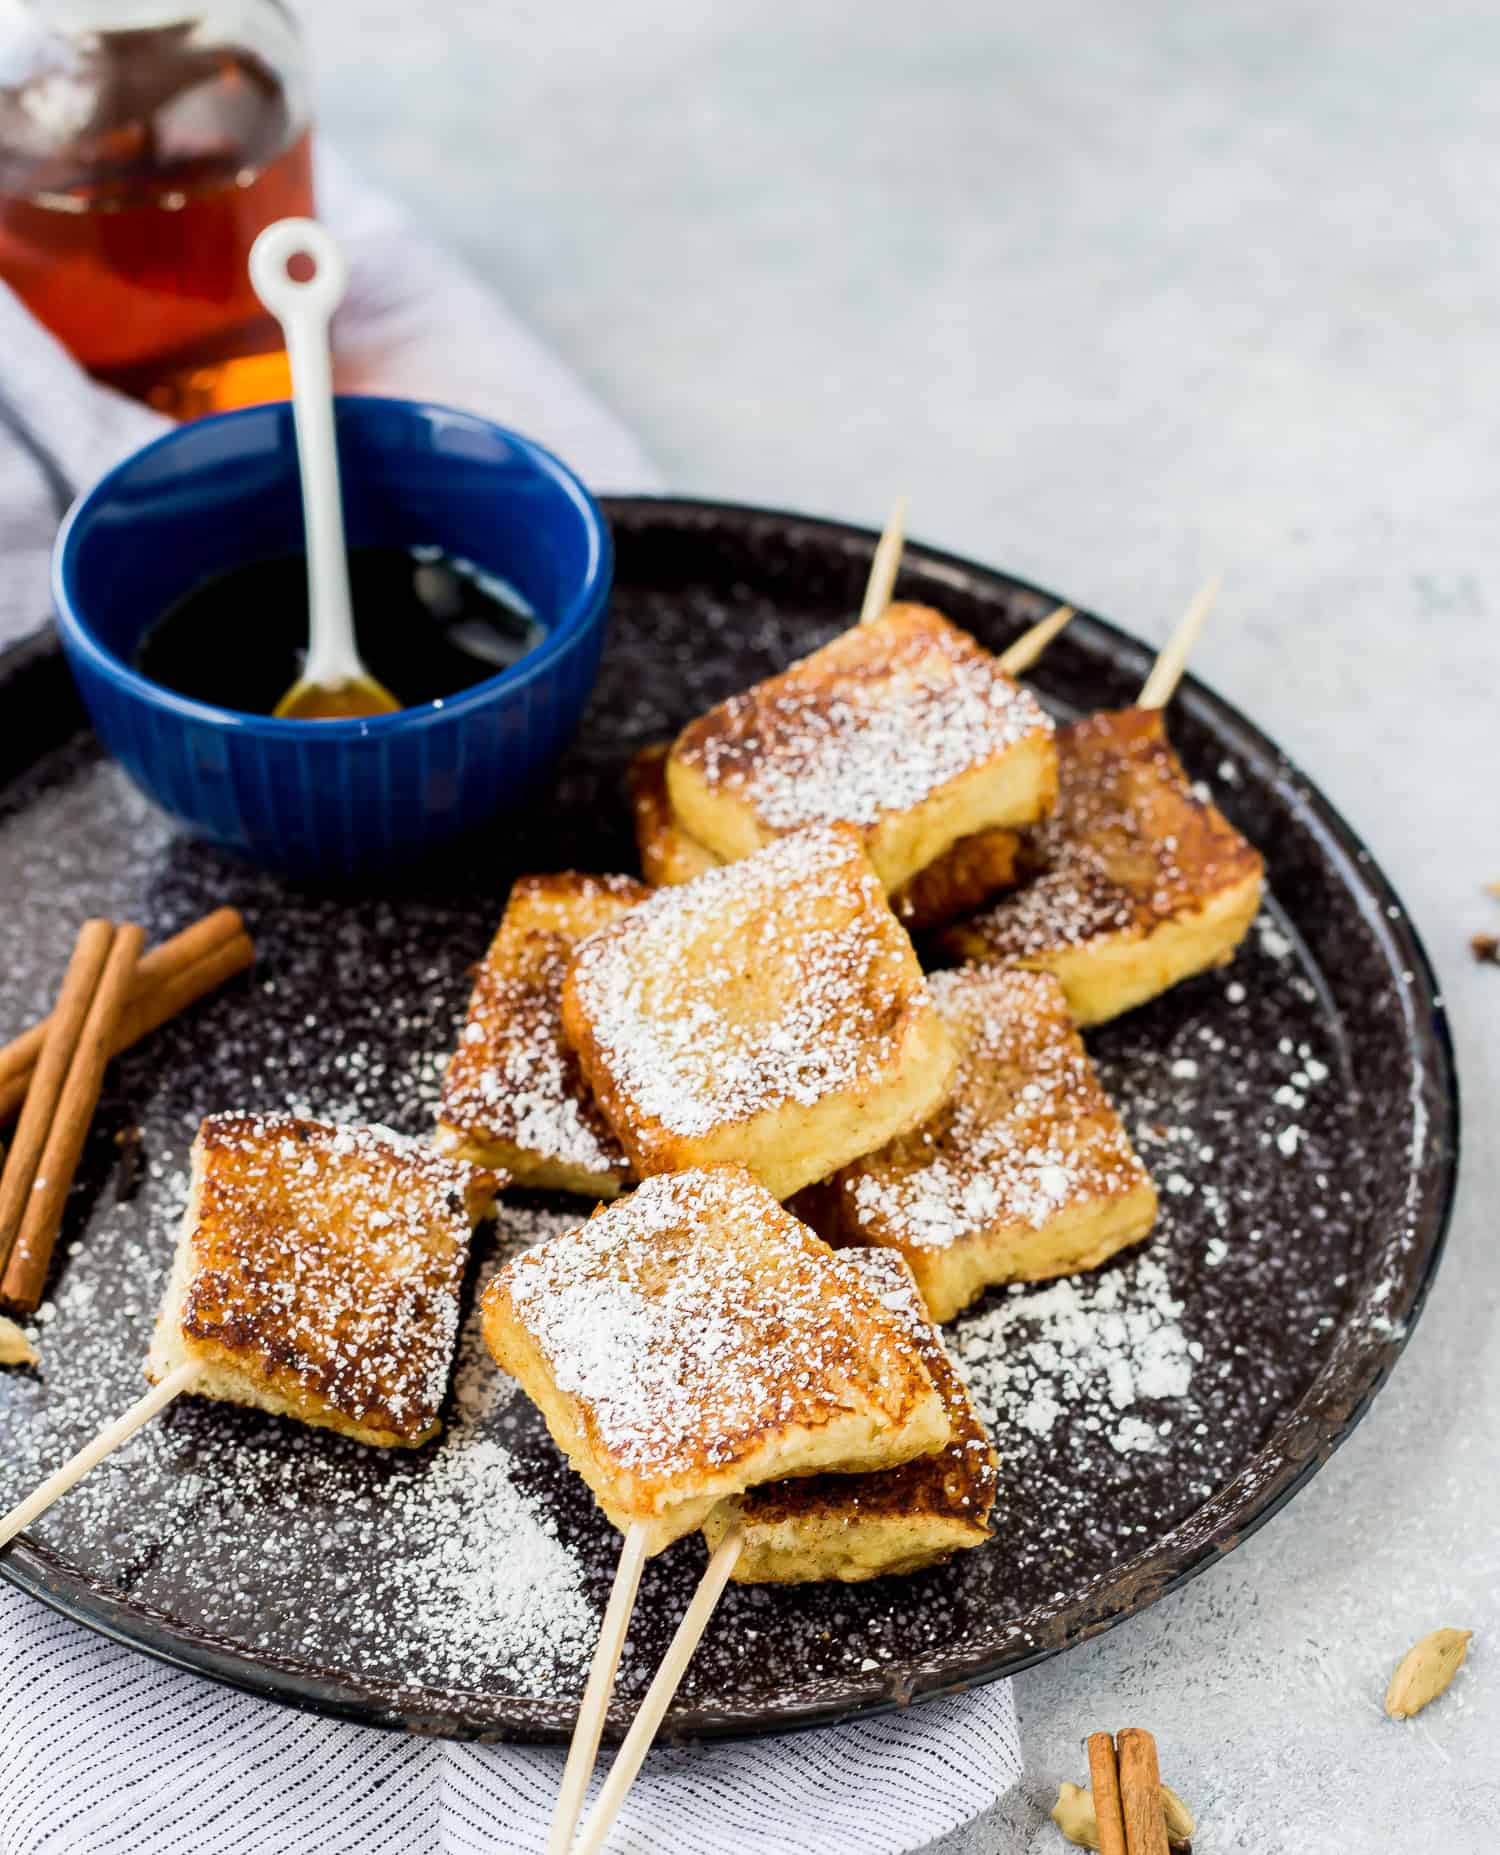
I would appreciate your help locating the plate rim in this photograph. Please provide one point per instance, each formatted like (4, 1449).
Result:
(1278, 1470)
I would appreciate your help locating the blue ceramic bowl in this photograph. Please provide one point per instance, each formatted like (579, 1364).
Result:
(334, 798)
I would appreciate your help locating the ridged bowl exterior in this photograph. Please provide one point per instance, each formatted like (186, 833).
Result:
(333, 800)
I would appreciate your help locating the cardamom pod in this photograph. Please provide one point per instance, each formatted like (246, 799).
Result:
(15, 1348)
(1180, 1821)
(1073, 1813)
(1425, 1671)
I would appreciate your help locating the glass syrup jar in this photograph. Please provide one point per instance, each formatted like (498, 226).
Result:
(142, 148)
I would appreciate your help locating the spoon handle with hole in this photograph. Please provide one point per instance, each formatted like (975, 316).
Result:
(304, 310)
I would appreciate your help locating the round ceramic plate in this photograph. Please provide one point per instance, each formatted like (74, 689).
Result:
(1296, 1108)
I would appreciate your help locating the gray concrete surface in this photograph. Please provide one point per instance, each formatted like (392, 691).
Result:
(1118, 293)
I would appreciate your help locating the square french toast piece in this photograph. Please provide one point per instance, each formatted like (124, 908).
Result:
(906, 728)
(853, 1527)
(1135, 882)
(769, 1014)
(1024, 1172)
(954, 883)
(693, 1339)
(318, 1271)
(513, 1094)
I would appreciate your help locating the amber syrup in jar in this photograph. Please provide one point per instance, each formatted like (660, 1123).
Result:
(137, 166)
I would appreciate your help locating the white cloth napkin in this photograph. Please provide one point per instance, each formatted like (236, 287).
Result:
(105, 1752)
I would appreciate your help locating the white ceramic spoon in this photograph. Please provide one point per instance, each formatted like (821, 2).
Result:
(334, 683)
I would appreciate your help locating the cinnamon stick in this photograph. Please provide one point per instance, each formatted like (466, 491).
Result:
(1104, 1780)
(59, 1045)
(1140, 1791)
(172, 976)
(26, 1271)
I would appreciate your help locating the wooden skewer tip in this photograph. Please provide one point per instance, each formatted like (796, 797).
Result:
(1030, 645)
(885, 565)
(1166, 673)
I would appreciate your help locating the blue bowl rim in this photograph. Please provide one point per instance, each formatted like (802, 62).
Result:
(585, 605)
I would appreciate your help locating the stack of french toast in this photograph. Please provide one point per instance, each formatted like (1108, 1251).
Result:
(809, 1119)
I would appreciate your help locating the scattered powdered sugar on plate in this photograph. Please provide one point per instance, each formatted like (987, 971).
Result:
(1093, 1346)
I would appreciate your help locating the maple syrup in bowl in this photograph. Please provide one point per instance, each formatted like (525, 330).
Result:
(142, 148)
(428, 623)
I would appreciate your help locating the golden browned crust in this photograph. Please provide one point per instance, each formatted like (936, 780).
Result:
(966, 874)
(668, 855)
(905, 728)
(854, 1527)
(319, 1273)
(1134, 882)
(513, 1094)
(770, 1014)
(1024, 1172)
(694, 1339)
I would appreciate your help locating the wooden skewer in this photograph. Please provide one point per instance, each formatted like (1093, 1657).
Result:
(664, 1685)
(601, 1684)
(168, 979)
(1166, 673)
(885, 566)
(121, 1430)
(1030, 645)
(26, 1272)
(64, 1028)
(1140, 1791)
(1104, 1780)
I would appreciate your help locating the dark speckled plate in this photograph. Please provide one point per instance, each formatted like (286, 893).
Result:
(1297, 1110)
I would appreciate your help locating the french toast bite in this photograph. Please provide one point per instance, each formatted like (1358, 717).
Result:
(769, 1014)
(513, 1094)
(853, 1527)
(905, 728)
(1024, 1172)
(317, 1274)
(954, 883)
(693, 1339)
(1133, 883)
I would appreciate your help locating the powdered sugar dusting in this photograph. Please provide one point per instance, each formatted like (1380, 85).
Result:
(1129, 846)
(696, 1319)
(874, 723)
(1025, 1133)
(780, 978)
